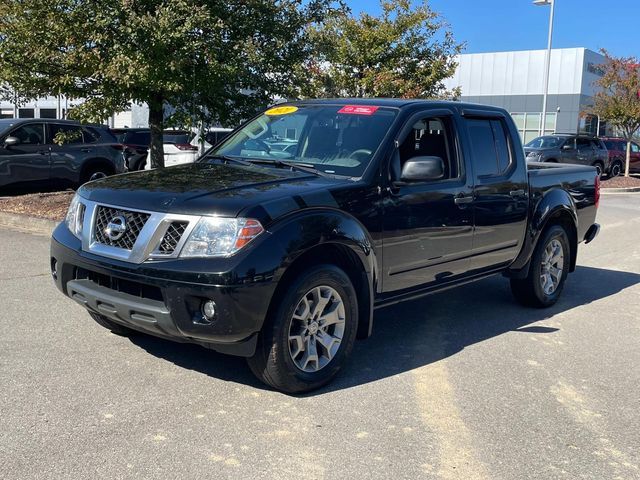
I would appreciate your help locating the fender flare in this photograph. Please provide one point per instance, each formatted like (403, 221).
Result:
(322, 229)
(554, 205)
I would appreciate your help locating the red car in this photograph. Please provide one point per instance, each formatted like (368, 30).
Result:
(618, 153)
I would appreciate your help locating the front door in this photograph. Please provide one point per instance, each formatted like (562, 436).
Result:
(428, 227)
(27, 161)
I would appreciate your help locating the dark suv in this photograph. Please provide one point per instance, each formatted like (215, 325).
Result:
(31, 152)
(135, 146)
(617, 148)
(567, 148)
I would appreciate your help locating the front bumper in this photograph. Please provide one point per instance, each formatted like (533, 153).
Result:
(164, 298)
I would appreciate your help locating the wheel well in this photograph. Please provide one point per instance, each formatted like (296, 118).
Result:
(563, 219)
(94, 163)
(343, 257)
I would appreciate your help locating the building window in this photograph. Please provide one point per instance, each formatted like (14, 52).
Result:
(6, 113)
(26, 113)
(528, 124)
(48, 113)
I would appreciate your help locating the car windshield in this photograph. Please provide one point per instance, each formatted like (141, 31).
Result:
(335, 139)
(6, 123)
(544, 142)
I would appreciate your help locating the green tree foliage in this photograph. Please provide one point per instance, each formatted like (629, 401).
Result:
(210, 60)
(405, 52)
(618, 101)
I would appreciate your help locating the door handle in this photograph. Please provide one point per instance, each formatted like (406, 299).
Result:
(462, 199)
(43, 152)
(85, 150)
(517, 193)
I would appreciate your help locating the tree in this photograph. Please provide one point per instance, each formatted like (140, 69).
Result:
(405, 52)
(618, 101)
(209, 60)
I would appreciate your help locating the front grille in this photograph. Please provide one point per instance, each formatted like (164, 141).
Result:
(134, 223)
(172, 237)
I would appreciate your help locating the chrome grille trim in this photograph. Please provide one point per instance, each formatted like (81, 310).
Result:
(135, 224)
(146, 245)
(171, 238)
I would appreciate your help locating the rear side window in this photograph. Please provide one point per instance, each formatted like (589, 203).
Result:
(64, 134)
(597, 144)
(90, 135)
(490, 146)
(583, 143)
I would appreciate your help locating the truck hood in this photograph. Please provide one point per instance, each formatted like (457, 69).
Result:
(197, 189)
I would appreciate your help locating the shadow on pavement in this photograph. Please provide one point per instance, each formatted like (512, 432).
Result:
(415, 334)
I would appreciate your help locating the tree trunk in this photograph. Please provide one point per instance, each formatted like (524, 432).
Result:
(628, 160)
(156, 124)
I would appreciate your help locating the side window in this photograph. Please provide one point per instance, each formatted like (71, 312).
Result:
(32, 134)
(64, 134)
(596, 144)
(583, 143)
(431, 137)
(635, 148)
(89, 135)
(490, 146)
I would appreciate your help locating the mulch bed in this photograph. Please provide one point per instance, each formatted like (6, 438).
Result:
(51, 206)
(620, 182)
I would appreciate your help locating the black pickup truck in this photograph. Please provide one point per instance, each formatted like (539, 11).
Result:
(283, 255)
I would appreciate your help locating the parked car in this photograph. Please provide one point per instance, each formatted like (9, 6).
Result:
(617, 148)
(178, 148)
(567, 148)
(212, 137)
(135, 146)
(284, 260)
(30, 155)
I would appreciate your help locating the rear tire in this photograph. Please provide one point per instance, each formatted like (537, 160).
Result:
(310, 332)
(111, 325)
(616, 169)
(94, 173)
(599, 169)
(547, 272)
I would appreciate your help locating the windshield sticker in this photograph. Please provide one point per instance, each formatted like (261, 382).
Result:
(286, 110)
(358, 110)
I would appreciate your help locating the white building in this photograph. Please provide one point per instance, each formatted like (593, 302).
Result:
(515, 81)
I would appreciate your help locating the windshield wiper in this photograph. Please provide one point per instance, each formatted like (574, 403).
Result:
(303, 167)
(227, 159)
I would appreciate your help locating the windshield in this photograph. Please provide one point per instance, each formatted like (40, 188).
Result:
(544, 142)
(334, 139)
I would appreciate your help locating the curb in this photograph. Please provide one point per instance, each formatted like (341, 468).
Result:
(620, 190)
(25, 223)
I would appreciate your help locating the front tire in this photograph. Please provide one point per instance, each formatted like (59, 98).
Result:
(547, 272)
(111, 325)
(310, 333)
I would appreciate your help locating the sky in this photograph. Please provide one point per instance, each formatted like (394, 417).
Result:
(501, 25)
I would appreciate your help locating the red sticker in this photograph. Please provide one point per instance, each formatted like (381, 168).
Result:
(358, 110)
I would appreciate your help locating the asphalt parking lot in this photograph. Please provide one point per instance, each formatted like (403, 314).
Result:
(463, 384)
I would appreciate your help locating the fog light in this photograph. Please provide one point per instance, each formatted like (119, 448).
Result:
(209, 310)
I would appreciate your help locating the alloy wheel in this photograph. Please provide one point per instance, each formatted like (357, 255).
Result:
(552, 267)
(316, 329)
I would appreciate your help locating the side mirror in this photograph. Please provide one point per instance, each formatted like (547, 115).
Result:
(422, 169)
(11, 141)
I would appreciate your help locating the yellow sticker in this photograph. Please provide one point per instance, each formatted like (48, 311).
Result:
(281, 110)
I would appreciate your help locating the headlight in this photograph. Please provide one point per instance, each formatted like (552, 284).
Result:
(220, 237)
(75, 216)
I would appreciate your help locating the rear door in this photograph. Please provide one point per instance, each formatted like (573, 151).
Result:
(428, 226)
(500, 189)
(68, 151)
(28, 161)
(584, 151)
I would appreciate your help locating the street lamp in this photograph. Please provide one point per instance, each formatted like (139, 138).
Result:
(547, 63)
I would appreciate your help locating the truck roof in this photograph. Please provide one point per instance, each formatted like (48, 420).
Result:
(391, 102)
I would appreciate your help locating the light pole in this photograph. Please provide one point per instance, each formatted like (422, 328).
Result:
(547, 62)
